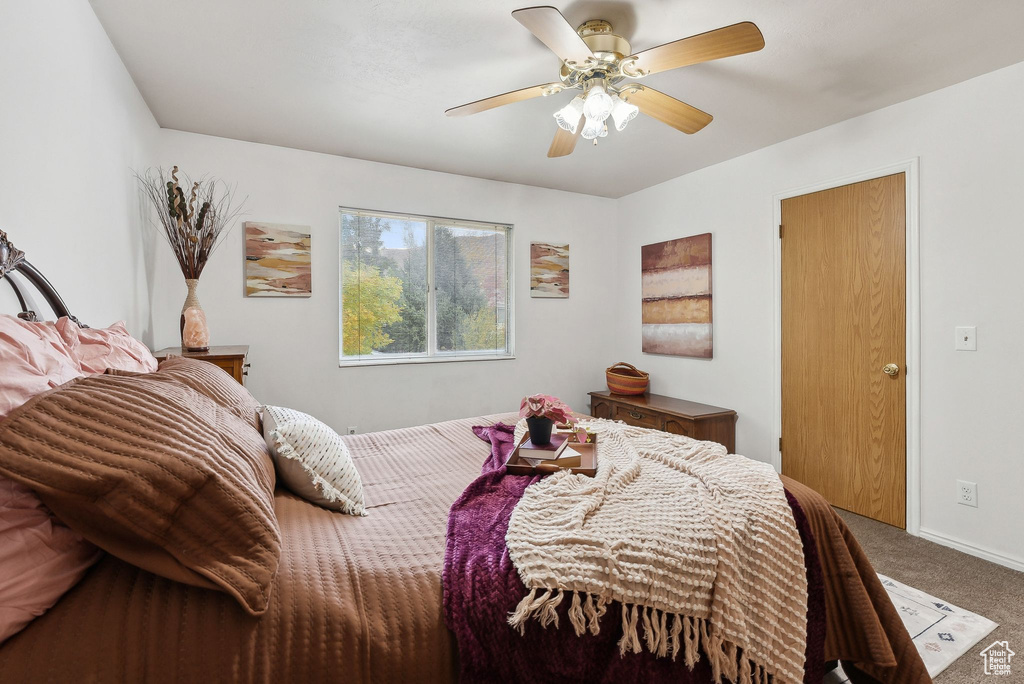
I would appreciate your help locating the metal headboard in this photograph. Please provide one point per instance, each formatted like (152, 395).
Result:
(12, 260)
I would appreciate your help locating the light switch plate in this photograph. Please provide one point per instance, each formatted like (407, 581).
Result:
(966, 338)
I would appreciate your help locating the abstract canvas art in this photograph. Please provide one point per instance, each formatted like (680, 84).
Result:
(277, 260)
(676, 287)
(549, 270)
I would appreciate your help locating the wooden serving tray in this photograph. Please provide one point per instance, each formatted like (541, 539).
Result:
(588, 459)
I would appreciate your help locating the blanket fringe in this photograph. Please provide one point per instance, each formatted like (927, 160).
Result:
(523, 611)
(630, 640)
(548, 610)
(690, 641)
(677, 627)
(594, 611)
(649, 636)
(664, 634)
(591, 612)
(576, 617)
(745, 673)
(751, 673)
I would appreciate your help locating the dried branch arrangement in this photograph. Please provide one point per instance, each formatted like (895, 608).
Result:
(193, 215)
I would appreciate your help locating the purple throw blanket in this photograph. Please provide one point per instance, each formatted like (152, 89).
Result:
(481, 588)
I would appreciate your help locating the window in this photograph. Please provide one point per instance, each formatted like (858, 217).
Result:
(418, 288)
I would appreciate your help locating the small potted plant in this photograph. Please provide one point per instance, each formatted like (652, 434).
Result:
(542, 411)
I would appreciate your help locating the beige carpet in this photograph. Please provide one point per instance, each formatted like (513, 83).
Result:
(977, 585)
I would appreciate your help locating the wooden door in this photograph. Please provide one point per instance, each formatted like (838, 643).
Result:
(843, 322)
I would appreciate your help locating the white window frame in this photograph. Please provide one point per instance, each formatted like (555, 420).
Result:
(432, 355)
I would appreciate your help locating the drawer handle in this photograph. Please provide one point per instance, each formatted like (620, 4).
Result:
(635, 415)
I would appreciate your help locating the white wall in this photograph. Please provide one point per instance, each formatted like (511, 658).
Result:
(969, 138)
(562, 346)
(72, 126)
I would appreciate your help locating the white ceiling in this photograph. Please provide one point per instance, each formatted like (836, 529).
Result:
(371, 79)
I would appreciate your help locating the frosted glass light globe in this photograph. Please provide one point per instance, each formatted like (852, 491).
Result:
(622, 112)
(592, 129)
(568, 117)
(598, 104)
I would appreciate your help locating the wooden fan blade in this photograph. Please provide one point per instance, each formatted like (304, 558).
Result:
(666, 109)
(551, 28)
(732, 40)
(504, 99)
(565, 142)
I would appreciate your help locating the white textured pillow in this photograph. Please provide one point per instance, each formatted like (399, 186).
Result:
(312, 460)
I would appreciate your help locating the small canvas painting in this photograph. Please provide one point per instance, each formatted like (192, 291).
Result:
(277, 260)
(549, 270)
(676, 287)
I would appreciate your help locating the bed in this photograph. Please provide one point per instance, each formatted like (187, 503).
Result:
(359, 599)
(356, 599)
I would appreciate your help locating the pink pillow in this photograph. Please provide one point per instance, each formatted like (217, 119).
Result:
(33, 359)
(98, 349)
(40, 558)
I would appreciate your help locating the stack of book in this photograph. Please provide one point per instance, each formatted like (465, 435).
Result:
(558, 453)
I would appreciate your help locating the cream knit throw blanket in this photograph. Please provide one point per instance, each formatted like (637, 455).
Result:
(699, 547)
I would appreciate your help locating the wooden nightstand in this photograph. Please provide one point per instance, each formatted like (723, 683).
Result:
(230, 358)
(677, 416)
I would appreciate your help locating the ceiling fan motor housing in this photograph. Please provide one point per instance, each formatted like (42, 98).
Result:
(610, 51)
(602, 41)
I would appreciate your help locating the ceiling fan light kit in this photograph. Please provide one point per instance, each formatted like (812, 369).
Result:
(596, 60)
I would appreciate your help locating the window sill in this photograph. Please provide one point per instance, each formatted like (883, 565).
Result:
(423, 359)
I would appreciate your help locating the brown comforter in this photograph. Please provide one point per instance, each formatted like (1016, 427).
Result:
(862, 628)
(359, 599)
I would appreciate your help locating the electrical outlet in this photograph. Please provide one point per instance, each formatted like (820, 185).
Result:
(351, 429)
(967, 493)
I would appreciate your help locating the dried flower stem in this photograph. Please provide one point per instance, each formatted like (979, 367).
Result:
(192, 235)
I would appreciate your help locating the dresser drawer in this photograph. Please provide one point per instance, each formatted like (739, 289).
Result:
(680, 426)
(227, 364)
(638, 417)
(601, 409)
(235, 367)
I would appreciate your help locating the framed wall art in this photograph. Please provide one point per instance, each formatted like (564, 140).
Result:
(277, 260)
(676, 290)
(549, 270)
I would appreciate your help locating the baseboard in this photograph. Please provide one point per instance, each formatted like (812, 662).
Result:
(985, 554)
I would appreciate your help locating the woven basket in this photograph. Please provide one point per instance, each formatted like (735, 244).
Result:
(626, 379)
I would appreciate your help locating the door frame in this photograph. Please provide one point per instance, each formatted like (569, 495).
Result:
(910, 167)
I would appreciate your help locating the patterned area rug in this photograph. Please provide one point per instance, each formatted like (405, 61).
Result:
(941, 631)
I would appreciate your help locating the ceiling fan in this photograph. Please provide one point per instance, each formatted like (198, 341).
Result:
(596, 61)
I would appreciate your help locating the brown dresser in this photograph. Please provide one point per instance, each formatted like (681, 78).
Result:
(230, 358)
(678, 416)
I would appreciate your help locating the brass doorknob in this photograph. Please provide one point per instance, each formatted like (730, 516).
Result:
(891, 369)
